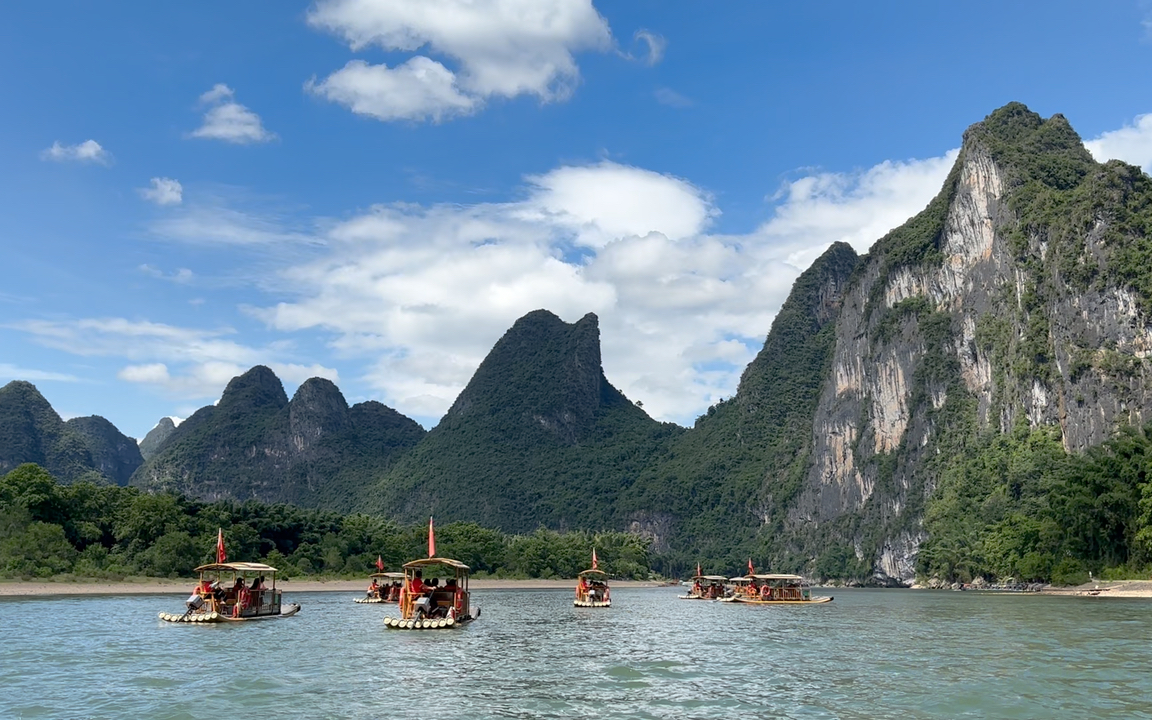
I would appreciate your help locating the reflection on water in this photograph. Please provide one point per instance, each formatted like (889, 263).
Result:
(869, 654)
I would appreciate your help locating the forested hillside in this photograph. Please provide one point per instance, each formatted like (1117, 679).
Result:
(109, 531)
(89, 447)
(707, 496)
(539, 437)
(313, 451)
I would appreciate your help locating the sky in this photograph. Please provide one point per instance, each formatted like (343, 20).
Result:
(373, 191)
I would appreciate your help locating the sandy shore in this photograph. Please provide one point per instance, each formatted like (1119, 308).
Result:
(149, 586)
(1106, 588)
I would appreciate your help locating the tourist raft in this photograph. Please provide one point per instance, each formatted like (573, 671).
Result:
(773, 590)
(434, 594)
(384, 588)
(233, 592)
(706, 587)
(592, 587)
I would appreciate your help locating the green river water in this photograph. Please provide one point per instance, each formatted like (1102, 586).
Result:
(868, 654)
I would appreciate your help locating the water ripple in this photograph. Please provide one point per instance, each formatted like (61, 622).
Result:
(869, 654)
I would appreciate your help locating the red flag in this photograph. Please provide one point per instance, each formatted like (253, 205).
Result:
(595, 565)
(379, 563)
(431, 539)
(220, 556)
(750, 570)
(698, 569)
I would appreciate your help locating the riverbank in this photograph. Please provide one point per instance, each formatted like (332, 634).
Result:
(1105, 588)
(161, 586)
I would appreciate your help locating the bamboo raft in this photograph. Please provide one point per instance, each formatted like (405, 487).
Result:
(592, 603)
(215, 617)
(210, 602)
(425, 623)
(773, 590)
(428, 605)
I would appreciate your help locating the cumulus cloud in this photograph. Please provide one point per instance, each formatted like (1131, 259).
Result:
(420, 89)
(87, 151)
(421, 293)
(227, 120)
(187, 363)
(858, 208)
(164, 191)
(1131, 143)
(500, 48)
(602, 202)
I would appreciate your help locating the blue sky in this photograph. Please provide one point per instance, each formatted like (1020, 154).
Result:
(374, 190)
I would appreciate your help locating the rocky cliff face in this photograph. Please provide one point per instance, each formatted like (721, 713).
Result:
(312, 450)
(156, 437)
(975, 316)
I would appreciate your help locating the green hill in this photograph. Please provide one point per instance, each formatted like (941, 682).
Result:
(539, 437)
(312, 451)
(89, 448)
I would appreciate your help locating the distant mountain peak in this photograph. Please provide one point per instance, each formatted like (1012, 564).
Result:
(545, 372)
(259, 387)
(156, 437)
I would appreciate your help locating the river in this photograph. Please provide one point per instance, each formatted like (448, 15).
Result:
(868, 654)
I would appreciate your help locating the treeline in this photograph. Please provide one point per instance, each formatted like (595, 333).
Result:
(1018, 506)
(107, 531)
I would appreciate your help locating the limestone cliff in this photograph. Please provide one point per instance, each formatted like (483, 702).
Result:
(985, 310)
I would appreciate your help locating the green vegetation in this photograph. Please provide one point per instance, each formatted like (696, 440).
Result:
(314, 451)
(726, 485)
(1019, 507)
(107, 531)
(88, 448)
(539, 437)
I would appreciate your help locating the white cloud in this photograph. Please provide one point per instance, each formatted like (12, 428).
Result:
(87, 151)
(857, 208)
(421, 294)
(599, 203)
(183, 362)
(420, 89)
(228, 120)
(14, 372)
(164, 191)
(671, 98)
(1131, 143)
(655, 46)
(501, 48)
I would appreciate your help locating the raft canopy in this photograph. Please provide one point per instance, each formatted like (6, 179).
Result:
(591, 571)
(389, 575)
(795, 578)
(425, 562)
(712, 578)
(741, 579)
(237, 567)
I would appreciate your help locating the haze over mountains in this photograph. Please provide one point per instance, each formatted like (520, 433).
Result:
(1018, 298)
